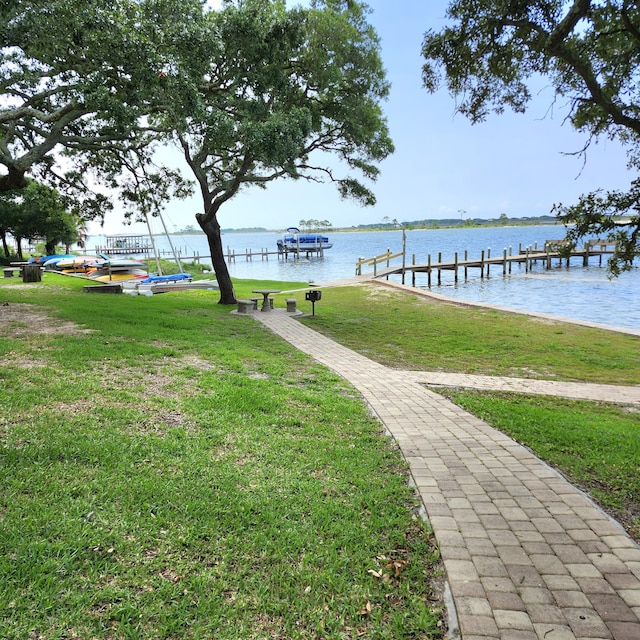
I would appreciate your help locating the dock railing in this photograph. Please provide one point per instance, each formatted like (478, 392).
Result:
(383, 259)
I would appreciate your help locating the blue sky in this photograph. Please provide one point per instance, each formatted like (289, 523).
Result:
(442, 166)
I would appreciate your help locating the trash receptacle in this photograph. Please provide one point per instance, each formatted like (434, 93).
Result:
(31, 273)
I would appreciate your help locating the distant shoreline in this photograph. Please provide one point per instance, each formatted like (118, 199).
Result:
(444, 223)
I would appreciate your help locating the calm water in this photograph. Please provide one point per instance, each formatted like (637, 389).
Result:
(574, 292)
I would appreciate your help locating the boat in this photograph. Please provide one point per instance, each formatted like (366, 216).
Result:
(50, 262)
(108, 275)
(295, 242)
(164, 284)
(78, 264)
(118, 269)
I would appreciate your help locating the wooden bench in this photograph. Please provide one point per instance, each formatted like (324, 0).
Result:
(10, 271)
(291, 305)
(246, 306)
(601, 245)
(555, 245)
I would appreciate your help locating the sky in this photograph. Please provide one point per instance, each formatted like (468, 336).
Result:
(443, 167)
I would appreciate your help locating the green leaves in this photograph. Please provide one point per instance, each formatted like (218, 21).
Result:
(492, 50)
(38, 211)
(281, 85)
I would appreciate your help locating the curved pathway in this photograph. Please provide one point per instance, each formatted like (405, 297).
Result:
(527, 555)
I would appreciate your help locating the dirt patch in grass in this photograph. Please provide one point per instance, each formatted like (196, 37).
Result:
(19, 320)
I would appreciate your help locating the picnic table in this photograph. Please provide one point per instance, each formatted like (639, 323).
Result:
(266, 306)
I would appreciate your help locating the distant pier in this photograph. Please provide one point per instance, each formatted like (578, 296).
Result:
(231, 255)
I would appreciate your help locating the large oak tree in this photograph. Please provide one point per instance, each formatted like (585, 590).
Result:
(590, 51)
(277, 93)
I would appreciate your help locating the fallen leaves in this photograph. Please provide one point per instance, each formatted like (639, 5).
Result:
(393, 567)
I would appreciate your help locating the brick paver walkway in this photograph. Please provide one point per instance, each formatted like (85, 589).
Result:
(527, 555)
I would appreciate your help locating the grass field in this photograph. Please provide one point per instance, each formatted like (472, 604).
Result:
(171, 471)
(413, 332)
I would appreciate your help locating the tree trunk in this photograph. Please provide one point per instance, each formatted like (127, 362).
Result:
(5, 246)
(13, 180)
(214, 237)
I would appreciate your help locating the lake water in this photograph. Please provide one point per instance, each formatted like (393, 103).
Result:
(574, 292)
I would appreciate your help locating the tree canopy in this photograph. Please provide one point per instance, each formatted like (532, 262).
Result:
(276, 93)
(590, 51)
(77, 77)
(37, 212)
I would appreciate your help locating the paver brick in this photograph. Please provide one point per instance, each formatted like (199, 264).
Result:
(561, 583)
(583, 570)
(497, 584)
(536, 595)
(612, 607)
(554, 631)
(514, 555)
(489, 566)
(546, 613)
(594, 585)
(518, 634)
(623, 581)
(608, 563)
(469, 606)
(548, 564)
(570, 553)
(585, 623)
(505, 600)
(571, 599)
(478, 625)
(625, 630)
(630, 596)
(506, 619)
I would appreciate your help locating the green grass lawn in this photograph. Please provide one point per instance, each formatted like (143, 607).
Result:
(171, 471)
(408, 331)
(597, 446)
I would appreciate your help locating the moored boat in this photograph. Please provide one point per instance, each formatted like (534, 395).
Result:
(296, 242)
(119, 269)
(78, 264)
(50, 262)
(165, 284)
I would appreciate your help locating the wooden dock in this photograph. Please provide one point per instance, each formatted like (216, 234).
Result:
(248, 255)
(553, 251)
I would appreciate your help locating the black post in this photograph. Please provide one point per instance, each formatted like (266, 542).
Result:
(313, 297)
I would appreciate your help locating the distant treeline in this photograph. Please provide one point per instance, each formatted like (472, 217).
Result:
(502, 221)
